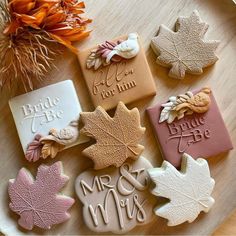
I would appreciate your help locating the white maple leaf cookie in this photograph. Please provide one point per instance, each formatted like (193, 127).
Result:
(189, 190)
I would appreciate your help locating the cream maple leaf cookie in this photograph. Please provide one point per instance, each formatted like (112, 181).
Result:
(188, 190)
(37, 202)
(185, 50)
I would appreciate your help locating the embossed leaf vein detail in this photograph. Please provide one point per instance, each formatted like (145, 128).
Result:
(117, 138)
(37, 201)
(189, 190)
(185, 49)
(195, 198)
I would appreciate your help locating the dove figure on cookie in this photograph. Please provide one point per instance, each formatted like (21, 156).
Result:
(127, 49)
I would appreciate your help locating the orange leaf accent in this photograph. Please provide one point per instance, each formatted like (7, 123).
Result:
(21, 6)
(66, 31)
(54, 19)
(80, 5)
(11, 27)
(40, 15)
(27, 20)
(64, 42)
(77, 37)
(50, 148)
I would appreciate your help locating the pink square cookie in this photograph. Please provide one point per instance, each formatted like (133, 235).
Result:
(199, 134)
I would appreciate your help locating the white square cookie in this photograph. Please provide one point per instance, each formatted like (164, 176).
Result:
(37, 112)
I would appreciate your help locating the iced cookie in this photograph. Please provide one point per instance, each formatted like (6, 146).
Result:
(185, 50)
(50, 113)
(191, 123)
(37, 202)
(116, 71)
(117, 138)
(116, 199)
(188, 190)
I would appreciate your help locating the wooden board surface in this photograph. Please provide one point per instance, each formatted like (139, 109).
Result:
(111, 19)
(228, 227)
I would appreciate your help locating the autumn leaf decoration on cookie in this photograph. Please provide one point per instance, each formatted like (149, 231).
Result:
(49, 145)
(116, 138)
(37, 202)
(185, 50)
(185, 104)
(110, 52)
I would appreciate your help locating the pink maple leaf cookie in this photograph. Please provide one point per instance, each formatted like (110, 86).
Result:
(37, 202)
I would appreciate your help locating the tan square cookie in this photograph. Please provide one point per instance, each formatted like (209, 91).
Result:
(127, 80)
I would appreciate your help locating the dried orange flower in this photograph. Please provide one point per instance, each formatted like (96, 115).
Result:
(29, 30)
(59, 18)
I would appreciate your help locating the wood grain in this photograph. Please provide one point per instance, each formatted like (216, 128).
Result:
(111, 19)
(228, 227)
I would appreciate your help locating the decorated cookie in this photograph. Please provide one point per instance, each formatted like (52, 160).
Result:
(189, 190)
(116, 138)
(44, 121)
(116, 71)
(37, 202)
(185, 50)
(116, 199)
(191, 123)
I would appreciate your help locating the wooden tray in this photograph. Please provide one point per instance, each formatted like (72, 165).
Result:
(111, 19)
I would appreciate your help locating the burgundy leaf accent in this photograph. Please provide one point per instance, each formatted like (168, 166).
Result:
(34, 149)
(105, 48)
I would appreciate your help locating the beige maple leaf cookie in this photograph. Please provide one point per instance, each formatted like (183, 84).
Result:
(185, 50)
(116, 138)
(188, 190)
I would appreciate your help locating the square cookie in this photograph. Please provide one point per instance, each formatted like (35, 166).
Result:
(37, 112)
(124, 80)
(198, 134)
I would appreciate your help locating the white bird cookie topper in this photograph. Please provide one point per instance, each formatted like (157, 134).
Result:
(127, 49)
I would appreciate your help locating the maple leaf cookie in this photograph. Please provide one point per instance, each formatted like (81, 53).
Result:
(188, 190)
(117, 138)
(37, 201)
(185, 50)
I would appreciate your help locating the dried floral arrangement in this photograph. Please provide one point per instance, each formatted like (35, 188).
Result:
(29, 33)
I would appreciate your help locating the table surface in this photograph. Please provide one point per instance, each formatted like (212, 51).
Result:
(228, 227)
(111, 19)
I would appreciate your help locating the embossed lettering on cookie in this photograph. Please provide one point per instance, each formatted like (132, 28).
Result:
(117, 70)
(190, 123)
(116, 199)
